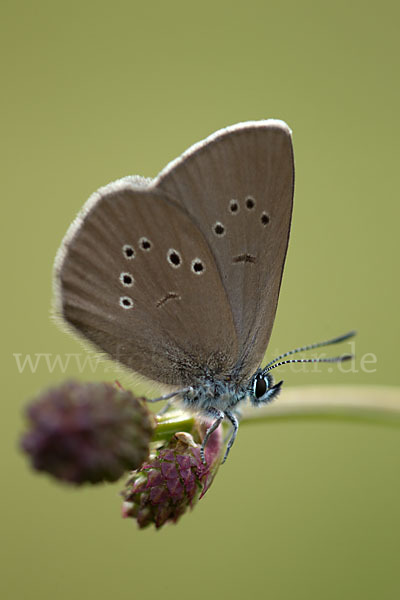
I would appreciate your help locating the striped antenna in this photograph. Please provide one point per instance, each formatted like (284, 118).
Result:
(336, 340)
(332, 359)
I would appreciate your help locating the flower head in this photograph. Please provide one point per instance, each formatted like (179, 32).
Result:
(172, 480)
(87, 432)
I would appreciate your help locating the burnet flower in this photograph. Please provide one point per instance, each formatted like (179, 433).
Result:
(95, 432)
(87, 432)
(173, 479)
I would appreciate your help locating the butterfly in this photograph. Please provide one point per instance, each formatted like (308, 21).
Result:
(178, 277)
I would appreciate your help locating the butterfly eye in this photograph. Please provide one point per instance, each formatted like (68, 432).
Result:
(259, 386)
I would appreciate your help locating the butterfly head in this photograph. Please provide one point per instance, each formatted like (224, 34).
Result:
(262, 389)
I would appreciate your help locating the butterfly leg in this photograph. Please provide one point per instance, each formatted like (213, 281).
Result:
(238, 414)
(168, 396)
(219, 418)
(235, 423)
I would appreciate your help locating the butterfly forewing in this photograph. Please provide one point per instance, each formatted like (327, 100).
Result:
(136, 277)
(237, 186)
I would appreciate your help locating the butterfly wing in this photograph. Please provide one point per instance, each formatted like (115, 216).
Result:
(238, 187)
(136, 277)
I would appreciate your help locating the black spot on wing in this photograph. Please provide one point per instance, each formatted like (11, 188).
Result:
(244, 258)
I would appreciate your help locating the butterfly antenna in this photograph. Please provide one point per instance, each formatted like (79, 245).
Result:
(336, 340)
(333, 359)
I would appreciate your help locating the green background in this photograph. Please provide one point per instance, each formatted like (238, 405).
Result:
(95, 91)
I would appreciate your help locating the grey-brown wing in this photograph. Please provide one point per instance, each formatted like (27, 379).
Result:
(136, 277)
(238, 187)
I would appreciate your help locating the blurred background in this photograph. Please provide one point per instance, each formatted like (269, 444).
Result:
(96, 91)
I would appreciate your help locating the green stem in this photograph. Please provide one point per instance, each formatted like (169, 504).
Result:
(372, 405)
(347, 416)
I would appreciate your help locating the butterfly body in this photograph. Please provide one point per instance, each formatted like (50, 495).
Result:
(216, 398)
(214, 394)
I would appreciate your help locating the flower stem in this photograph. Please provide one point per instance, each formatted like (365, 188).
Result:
(172, 422)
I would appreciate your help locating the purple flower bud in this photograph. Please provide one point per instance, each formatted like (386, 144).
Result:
(172, 480)
(87, 432)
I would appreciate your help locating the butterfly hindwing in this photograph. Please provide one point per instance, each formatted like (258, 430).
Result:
(136, 277)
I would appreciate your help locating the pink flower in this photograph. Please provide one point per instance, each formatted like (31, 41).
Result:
(173, 479)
